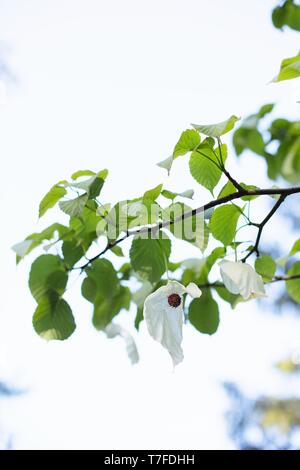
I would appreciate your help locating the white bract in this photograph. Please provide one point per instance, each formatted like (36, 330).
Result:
(163, 313)
(241, 278)
(112, 330)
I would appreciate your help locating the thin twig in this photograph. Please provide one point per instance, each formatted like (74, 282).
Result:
(260, 226)
(285, 278)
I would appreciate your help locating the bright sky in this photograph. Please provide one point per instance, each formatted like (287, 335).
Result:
(112, 84)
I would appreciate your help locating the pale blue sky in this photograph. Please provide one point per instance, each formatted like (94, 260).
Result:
(112, 84)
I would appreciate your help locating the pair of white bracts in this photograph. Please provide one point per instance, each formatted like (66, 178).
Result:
(163, 309)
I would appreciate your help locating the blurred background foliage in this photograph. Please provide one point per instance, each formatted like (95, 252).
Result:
(6, 391)
(287, 14)
(265, 422)
(278, 142)
(271, 421)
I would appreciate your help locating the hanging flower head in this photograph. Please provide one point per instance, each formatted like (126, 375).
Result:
(241, 278)
(163, 312)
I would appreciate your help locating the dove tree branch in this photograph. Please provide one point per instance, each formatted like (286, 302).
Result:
(282, 192)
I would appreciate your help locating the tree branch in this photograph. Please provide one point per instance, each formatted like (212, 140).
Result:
(233, 181)
(260, 226)
(283, 192)
(285, 277)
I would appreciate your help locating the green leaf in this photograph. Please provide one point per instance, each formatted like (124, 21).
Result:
(265, 109)
(51, 198)
(291, 165)
(249, 187)
(89, 289)
(227, 296)
(89, 222)
(139, 317)
(188, 141)
(227, 189)
(216, 130)
(251, 139)
(49, 232)
(198, 269)
(204, 168)
(166, 164)
(192, 229)
(224, 222)
(131, 213)
(149, 257)
(152, 194)
(282, 261)
(95, 187)
(74, 207)
(22, 248)
(295, 247)
(266, 267)
(287, 14)
(105, 309)
(47, 274)
(92, 185)
(105, 277)
(72, 252)
(103, 289)
(278, 17)
(293, 286)
(53, 318)
(35, 239)
(217, 253)
(204, 314)
(80, 173)
(189, 193)
(289, 68)
(117, 250)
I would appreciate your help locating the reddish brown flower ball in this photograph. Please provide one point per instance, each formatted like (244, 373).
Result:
(174, 300)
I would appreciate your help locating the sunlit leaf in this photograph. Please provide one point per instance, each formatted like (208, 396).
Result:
(295, 247)
(53, 318)
(266, 267)
(74, 207)
(224, 222)
(205, 167)
(219, 129)
(289, 68)
(188, 141)
(293, 285)
(47, 274)
(51, 198)
(152, 194)
(204, 314)
(149, 257)
(189, 193)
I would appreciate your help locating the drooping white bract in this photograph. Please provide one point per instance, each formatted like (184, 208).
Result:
(241, 278)
(163, 312)
(112, 330)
